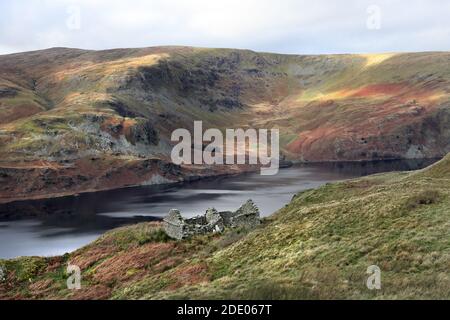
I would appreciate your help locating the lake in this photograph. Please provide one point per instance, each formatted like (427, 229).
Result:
(56, 226)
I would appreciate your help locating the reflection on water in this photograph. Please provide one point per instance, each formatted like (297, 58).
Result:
(56, 226)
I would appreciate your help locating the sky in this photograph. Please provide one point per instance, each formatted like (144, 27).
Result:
(282, 26)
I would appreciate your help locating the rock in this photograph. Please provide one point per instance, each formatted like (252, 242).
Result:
(121, 108)
(8, 92)
(173, 224)
(143, 132)
(246, 216)
(212, 221)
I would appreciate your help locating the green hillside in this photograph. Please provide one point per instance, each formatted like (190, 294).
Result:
(317, 246)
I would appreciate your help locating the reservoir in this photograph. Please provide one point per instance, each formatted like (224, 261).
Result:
(56, 226)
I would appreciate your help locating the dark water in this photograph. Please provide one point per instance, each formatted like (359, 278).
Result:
(55, 226)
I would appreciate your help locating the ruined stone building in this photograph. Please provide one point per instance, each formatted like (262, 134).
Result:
(212, 221)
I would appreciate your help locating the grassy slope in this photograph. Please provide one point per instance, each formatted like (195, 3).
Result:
(317, 246)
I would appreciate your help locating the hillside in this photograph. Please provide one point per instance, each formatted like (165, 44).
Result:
(75, 120)
(317, 246)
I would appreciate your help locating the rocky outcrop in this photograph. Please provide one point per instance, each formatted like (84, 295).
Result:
(8, 92)
(143, 132)
(179, 228)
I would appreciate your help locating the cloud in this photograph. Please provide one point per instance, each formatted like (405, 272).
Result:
(288, 26)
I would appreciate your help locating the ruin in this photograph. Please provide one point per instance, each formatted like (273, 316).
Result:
(179, 228)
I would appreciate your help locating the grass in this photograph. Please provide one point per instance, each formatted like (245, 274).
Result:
(139, 234)
(321, 244)
(424, 197)
(25, 269)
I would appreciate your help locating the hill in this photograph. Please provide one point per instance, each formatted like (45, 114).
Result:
(75, 120)
(318, 246)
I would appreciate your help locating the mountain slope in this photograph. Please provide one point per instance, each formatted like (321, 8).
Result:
(66, 112)
(319, 246)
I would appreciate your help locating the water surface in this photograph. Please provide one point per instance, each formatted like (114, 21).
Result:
(55, 226)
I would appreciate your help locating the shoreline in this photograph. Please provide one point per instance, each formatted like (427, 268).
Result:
(188, 179)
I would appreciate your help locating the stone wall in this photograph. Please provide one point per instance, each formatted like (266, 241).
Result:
(212, 221)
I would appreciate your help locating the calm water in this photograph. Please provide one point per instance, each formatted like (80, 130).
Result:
(55, 226)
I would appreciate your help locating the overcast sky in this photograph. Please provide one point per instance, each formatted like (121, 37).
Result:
(284, 26)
